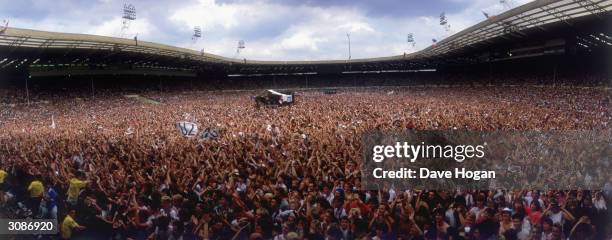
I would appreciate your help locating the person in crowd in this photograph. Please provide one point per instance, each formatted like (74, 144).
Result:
(69, 225)
(3, 186)
(36, 190)
(521, 226)
(74, 189)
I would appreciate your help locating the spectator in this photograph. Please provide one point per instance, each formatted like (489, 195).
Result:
(69, 225)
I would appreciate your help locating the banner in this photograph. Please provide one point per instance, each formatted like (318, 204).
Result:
(209, 134)
(187, 129)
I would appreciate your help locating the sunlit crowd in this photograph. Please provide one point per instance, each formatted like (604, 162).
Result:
(116, 167)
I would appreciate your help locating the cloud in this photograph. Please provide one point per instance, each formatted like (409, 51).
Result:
(272, 29)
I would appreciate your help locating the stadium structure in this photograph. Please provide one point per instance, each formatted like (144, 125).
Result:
(551, 38)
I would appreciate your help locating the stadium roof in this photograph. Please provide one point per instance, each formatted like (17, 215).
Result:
(23, 47)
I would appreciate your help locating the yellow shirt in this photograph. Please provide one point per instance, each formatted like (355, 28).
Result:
(75, 187)
(67, 225)
(3, 175)
(36, 189)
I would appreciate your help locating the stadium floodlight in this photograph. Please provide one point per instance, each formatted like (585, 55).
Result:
(410, 40)
(444, 22)
(129, 12)
(129, 15)
(348, 36)
(241, 45)
(197, 33)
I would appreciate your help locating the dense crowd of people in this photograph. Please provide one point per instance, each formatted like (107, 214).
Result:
(113, 167)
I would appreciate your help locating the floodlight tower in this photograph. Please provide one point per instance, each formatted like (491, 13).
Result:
(239, 48)
(348, 36)
(410, 41)
(197, 33)
(129, 15)
(444, 22)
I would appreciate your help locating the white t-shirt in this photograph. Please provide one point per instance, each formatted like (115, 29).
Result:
(476, 211)
(557, 217)
(523, 233)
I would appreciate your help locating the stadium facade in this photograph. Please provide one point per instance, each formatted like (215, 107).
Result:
(553, 39)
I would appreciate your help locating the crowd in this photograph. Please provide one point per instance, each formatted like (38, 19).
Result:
(117, 168)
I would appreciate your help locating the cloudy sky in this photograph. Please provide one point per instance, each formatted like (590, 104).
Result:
(272, 29)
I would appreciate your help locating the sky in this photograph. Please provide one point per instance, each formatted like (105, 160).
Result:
(271, 29)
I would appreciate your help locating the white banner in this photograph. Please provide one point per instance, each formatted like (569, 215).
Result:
(188, 129)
